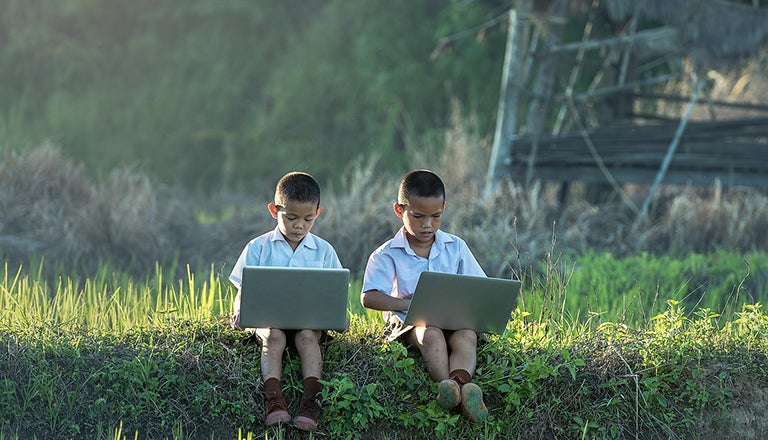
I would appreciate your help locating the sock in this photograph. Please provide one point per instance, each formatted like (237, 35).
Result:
(312, 387)
(272, 388)
(461, 377)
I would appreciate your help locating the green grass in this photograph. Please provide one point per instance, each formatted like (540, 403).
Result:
(114, 357)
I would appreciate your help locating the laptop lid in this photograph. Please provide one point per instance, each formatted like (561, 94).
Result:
(294, 298)
(454, 302)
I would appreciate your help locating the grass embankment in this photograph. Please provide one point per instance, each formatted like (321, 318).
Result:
(595, 351)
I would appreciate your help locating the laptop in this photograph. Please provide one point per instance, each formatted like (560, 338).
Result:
(294, 298)
(454, 302)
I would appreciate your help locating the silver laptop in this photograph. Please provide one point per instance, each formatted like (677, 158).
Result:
(454, 302)
(294, 298)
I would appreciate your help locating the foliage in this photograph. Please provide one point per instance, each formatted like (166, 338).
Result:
(113, 355)
(214, 93)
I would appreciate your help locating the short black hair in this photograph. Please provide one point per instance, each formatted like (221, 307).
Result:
(420, 183)
(297, 187)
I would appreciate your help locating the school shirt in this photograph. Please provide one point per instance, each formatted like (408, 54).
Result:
(272, 249)
(394, 267)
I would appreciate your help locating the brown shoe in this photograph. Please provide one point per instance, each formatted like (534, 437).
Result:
(307, 416)
(472, 404)
(277, 410)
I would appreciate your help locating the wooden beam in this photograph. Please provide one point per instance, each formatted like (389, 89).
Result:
(662, 40)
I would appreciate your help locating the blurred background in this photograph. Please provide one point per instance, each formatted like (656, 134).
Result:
(145, 131)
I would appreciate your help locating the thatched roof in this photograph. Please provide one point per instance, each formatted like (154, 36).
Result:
(713, 28)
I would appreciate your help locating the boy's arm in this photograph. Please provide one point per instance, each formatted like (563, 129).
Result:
(378, 300)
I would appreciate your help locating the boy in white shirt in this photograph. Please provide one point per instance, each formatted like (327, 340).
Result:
(290, 244)
(390, 280)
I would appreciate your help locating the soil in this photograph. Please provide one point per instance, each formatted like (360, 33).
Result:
(746, 418)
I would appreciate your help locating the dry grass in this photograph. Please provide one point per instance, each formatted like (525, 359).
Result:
(50, 208)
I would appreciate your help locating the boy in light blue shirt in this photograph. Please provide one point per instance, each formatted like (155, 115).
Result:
(290, 244)
(390, 280)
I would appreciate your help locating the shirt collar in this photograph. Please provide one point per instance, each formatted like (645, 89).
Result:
(308, 241)
(441, 238)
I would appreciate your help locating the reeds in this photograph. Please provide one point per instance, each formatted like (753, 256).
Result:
(50, 208)
(110, 301)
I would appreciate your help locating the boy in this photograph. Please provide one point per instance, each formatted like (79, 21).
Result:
(391, 276)
(296, 207)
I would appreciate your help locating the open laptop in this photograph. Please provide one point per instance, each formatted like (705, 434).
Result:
(454, 302)
(294, 298)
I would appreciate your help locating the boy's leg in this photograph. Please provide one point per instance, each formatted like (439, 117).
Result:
(463, 360)
(431, 343)
(308, 345)
(272, 347)
(463, 348)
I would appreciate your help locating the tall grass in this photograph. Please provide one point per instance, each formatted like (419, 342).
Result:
(110, 301)
(111, 356)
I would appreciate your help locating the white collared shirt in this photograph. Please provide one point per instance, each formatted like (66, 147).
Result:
(271, 249)
(394, 267)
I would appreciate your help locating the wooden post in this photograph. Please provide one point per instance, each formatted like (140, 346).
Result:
(509, 96)
(538, 110)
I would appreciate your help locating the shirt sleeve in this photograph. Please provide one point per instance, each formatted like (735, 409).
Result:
(468, 264)
(331, 260)
(379, 273)
(236, 276)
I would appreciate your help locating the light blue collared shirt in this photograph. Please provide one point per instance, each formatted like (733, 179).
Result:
(394, 267)
(271, 249)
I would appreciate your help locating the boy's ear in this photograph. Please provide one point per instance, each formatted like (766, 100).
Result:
(398, 209)
(319, 210)
(272, 209)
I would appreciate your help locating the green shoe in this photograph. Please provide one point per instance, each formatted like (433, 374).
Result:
(472, 404)
(448, 394)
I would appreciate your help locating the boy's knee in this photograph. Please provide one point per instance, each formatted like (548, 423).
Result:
(307, 337)
(272, 337)
(433, 335)
(467, 338)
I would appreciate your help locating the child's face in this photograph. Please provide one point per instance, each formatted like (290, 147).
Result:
(422, 217)
(295, 219)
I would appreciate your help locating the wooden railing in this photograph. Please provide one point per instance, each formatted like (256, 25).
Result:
(735, 152)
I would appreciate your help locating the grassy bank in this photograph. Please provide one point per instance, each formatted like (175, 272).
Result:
(112, 357)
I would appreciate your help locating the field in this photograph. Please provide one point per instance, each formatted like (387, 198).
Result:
(115, 303)
(117, 357)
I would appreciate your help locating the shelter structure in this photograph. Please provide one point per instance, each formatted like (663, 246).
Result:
(616, 91)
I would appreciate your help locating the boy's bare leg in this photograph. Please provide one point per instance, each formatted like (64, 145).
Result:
(311, 357)
(272, 347)
(431, 343)
(463, 345)
(434, 350)
(308, 346)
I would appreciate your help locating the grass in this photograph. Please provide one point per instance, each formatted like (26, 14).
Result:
(114, 357)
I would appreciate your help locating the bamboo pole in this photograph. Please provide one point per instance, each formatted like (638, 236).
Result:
(509, 96)
(576, 71)
(670, 152)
